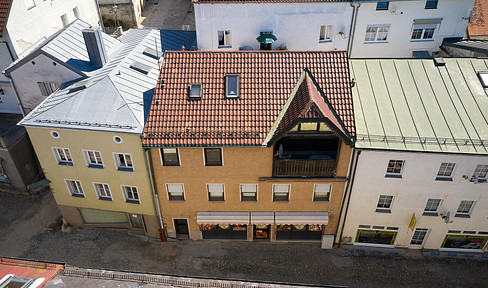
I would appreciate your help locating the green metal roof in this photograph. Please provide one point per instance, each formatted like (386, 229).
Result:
(414, 105)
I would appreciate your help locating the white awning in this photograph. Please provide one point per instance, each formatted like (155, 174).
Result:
(262, 218)
(302, 218)
(240, 218)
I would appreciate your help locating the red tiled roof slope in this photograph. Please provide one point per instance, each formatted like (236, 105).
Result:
(308, 103)
(4, 4)
(267, 79)
(478, 25)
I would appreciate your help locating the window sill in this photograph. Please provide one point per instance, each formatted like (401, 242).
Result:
(171, 164)
(320, 200)
(374, 42)
(176, 200)
(275, 200)
(325, 41)
(125, 169)
(430, 214)
(421, 40)
(209, 164)
(393, 176)
(105, 198)
(462, 216)
(443, 179)
(95, 166)
(383, 211)
(216, 200)
(78, 195)
(249, 200)
(224, 46)
(65, 163)
(132, 201)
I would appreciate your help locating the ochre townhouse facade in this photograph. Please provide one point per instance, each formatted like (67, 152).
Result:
(247, 146)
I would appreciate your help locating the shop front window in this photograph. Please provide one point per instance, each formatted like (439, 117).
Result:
(299, 232)
(381, 237)
(224, 231)
(261, 232)
(464, 241)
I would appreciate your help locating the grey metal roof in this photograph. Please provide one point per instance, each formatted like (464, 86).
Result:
(413, 105)
(113, 97)
(477, 46)
(67, 45)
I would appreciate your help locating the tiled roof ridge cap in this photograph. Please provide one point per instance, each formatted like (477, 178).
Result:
(258, 51)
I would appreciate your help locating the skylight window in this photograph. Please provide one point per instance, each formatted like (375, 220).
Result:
(80, 85)
(483, 78)
(195, 91)
(152, 53)
(232, 86)
(139, 67)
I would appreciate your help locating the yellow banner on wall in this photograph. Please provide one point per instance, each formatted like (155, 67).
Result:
(413, 221)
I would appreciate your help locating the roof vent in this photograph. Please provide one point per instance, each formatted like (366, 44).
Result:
(439, 62)
(232, 86)
(94, 46)
(483, 76)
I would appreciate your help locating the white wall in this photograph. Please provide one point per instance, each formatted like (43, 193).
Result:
(411, 193)
(401, 24)
(26, 77)
(8, 101)
(27, 26)
(296, 25)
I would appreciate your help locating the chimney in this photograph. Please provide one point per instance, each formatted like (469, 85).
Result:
(94, 46)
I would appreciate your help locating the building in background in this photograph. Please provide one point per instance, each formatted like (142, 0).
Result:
(87, 133)
(125, 13)
(420, 158)
(251, 145)
(478, 26)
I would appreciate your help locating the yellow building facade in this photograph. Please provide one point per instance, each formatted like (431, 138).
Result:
(98, 179)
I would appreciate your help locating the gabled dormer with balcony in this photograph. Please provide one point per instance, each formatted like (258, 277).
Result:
(308, 136)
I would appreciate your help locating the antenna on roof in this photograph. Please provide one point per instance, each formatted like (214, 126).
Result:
(156, 44)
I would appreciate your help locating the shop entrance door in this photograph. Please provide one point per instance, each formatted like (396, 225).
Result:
(261, 233)
(181, 227)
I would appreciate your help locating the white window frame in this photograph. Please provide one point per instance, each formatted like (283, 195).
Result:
(376, 33)
(444, 176)
(423, 28)
(326, 32)
(480, 172)
(315, 191)
(384, 209)
(228, 78)
(75, 193)
(462, 213)
(275, 186)
(104, 192)
(415, 237)
(215, 185)
(395, 162)
(126, 195)
(86, 154)
(226, 38)
(243, 189)
(168, 191)
(121, 166)
(59, 158)
(432, 212)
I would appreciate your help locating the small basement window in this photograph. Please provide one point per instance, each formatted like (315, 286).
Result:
(195, 91)
(139, 67)
(152, 53)
(232, 86)
(483, 78)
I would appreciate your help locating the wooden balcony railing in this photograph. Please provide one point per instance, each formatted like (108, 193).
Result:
(304, 168)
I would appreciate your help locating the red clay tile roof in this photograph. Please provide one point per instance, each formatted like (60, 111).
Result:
(308, 103)
(478, 25)
(4, 4)
(267, 79)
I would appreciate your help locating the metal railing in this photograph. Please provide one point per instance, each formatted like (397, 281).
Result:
(304, 168)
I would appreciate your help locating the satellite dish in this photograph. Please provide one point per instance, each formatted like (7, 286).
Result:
(280, 151)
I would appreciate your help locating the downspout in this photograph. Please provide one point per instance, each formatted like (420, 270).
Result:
(354, 18)
(350, 183)
(157, 209)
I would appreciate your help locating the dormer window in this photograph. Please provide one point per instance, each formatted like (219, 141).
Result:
(232, 86)
(195, 91)
(311, 127)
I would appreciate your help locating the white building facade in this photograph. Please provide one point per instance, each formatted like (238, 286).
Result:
(421, 159)
(234, 25)
(396, 29)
